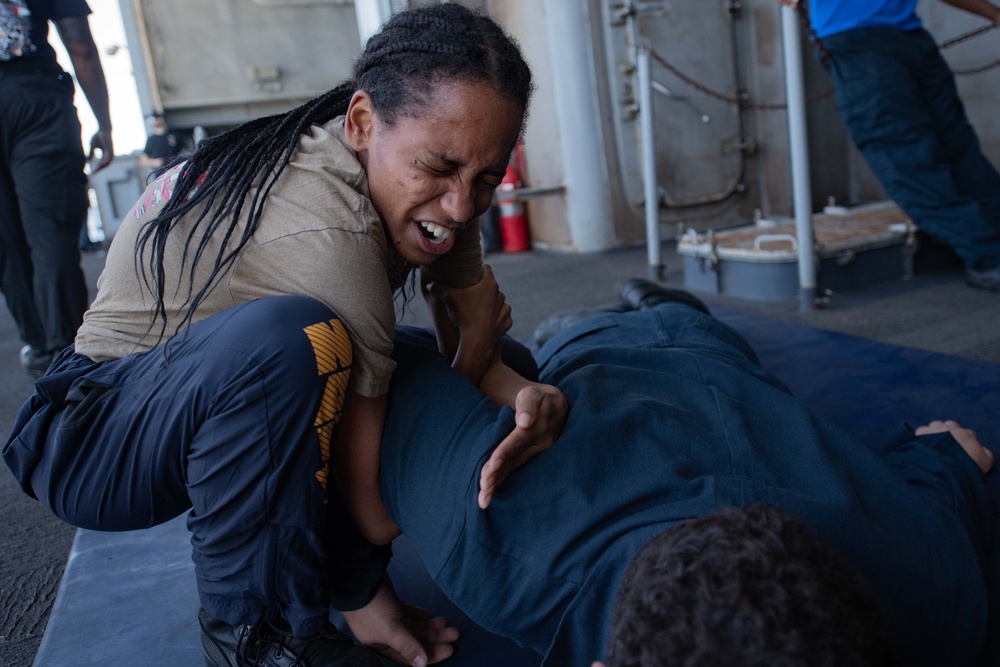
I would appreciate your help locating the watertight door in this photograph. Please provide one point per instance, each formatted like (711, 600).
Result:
(700, 142)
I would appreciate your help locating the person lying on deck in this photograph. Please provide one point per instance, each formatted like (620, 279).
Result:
(731, 523)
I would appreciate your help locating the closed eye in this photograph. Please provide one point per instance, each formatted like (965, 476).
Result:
(492, 179)
(440, 171)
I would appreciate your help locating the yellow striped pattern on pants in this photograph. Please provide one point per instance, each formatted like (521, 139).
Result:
(333, 359)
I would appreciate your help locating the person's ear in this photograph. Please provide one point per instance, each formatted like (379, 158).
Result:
(358, 121)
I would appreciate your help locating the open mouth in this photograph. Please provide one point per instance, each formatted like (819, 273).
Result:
(435, 233)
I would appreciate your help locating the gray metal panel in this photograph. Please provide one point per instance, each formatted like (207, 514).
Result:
(225, 61)
(118, 186)
(695, 133)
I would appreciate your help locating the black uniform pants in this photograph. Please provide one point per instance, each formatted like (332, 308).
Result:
(43, 206)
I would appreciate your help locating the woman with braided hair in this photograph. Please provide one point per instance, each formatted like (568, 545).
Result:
(238, 349)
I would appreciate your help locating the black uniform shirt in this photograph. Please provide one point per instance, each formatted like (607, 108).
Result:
(24, 31)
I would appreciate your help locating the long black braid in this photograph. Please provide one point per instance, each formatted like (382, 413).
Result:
(398, 69)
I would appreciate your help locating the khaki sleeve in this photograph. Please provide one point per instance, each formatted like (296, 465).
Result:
(463, 265)
(342, 269)
(320, 236)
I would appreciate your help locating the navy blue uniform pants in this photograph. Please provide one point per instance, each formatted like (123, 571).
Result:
(899, 102)
(43, 207)
(233, 420)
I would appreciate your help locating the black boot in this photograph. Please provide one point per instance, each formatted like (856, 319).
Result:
(643, 294)
(270, 644)
(559, 320)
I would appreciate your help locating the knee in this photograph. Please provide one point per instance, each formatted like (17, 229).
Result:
(289, 312)
(278, 316)
(283, 335)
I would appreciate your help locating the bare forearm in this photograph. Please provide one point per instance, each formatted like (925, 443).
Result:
(502, 384)
(987, 10)
(444, 329)
(76, 36)
(470, 349)
(477, 359)
(356, 465)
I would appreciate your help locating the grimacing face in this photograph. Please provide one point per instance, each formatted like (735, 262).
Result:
(430, 175)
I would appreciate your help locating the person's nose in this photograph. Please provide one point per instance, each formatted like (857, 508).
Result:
(459, 203)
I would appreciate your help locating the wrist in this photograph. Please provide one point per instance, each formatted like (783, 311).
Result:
(501, 384)
(470, 364)
(473, 354)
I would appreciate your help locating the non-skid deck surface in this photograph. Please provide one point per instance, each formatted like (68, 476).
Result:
(130, 599)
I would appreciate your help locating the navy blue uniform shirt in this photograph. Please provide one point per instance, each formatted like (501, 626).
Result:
(670, 418)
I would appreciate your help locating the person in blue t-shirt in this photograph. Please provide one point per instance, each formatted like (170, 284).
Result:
(899, 101)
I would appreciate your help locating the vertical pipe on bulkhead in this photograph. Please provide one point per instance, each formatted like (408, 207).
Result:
(650, 187)
(801, 196)
(588, 191)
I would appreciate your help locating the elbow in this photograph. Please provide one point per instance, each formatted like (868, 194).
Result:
(380, 533)
(370, 515)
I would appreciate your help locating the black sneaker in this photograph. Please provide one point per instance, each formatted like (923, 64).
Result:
(34, 361)
(270, 644)
(987, 279)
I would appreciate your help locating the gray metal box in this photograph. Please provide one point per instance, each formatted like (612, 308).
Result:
(853, 247)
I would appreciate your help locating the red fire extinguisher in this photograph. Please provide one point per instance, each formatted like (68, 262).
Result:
(513, 224)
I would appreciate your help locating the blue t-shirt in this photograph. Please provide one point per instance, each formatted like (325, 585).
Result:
(829, 17)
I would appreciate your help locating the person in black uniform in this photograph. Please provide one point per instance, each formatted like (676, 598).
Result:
(43, 188)
(162, 146)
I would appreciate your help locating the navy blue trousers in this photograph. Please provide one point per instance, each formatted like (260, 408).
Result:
(899, 102)
(43, 207)
(233, 420)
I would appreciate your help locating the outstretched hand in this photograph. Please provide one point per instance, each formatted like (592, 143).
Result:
(402, 633)
(967, 438)
(540, 412)
(470, 323)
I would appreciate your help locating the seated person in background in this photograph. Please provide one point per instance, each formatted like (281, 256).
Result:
(672, 420)
(162, 146)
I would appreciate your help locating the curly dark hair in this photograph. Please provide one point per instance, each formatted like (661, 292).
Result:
(748, 587)
(414, 50)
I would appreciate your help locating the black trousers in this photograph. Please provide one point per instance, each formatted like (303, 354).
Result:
(43, 206)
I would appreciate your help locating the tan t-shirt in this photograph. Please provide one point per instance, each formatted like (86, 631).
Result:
(318, 236)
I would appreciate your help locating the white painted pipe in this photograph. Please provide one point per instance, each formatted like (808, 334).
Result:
(650, 186)
(371, 15)
(574, 82)
(799, 148)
